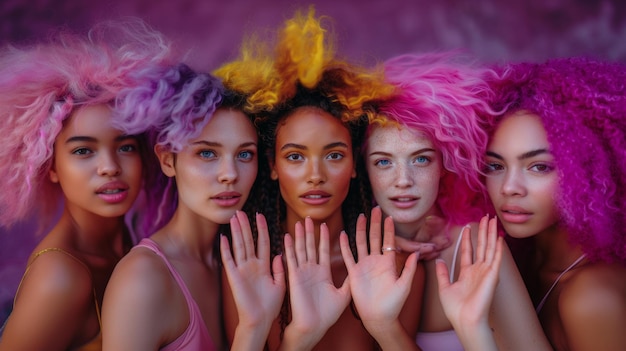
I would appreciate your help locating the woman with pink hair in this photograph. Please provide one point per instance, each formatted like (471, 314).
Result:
(424, 157)
(556, 180)
(64, 157)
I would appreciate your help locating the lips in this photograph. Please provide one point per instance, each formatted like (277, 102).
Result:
(514, 214)
(315, 197)
(227, 198)
(404, 201)
(113, 192)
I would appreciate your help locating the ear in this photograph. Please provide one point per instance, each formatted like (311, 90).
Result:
(166, 159)
(52, 174)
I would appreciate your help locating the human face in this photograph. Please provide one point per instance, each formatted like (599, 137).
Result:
(313, 164)
(98, 167)
(215, 171)
(404, 170)
(522, 180)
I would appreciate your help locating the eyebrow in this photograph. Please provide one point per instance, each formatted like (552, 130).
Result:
(420, 151)
(214, 144)
(302, 147)
(81, 138)
(523, 156)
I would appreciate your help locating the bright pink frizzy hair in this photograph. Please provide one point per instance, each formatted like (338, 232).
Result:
(582, 105)
(41, 85)
(446, 99)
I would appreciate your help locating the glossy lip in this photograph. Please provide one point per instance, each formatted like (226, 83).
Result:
(315, 197)
(404, 201)
(514, 214)
(113, 192)
(227, 198)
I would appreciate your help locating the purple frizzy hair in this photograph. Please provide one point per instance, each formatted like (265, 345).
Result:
(173, 104)
(582, 105)
(42, 84)
(446, 99)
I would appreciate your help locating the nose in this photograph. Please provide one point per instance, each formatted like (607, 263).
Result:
(109, 164)
(513, 184)
(403, 176)
(227, 172)
(317, 174)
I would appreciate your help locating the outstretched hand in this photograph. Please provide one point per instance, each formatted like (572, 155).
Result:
(316, 304)
(466, 302)
(258, 293)
(377, 291)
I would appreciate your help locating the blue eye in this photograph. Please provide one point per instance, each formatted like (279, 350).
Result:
(421, 160)
(207, 154)
(246, 155)
(382, 162)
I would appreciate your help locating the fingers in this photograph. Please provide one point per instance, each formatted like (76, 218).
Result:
(375, 235)
(466, 247)
(278, 271)
(389, 240)
(361, 236)
(492, 240)
(309, 237)
(246, 230)
(324, 250)
(239, 249)
(443, 276)
(263, 239)
(482, 239)
(346, 252)
(410, 266)
(292, 261)
(227, 258)
(300, 245)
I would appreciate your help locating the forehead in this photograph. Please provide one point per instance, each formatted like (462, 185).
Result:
(229, 125)
(310, 123)
(88, 120)
(521, 131)
(396, 137)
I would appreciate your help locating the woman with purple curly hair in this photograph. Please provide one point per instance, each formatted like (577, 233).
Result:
(65, 160)
(556, 177)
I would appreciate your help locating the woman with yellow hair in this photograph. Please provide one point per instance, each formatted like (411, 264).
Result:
(312, 111)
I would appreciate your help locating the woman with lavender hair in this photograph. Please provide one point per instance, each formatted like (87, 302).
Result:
(166, 293)
(62, 148)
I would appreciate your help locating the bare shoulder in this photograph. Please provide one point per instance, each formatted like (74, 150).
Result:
(597, 288)
(592, 307)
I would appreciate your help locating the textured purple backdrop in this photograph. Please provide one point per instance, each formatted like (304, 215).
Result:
(368, 31)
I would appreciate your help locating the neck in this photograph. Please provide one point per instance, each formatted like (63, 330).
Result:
(189, 235)
(94, 234)
(554, 251)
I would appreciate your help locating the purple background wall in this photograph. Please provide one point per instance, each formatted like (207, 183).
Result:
(368, 31)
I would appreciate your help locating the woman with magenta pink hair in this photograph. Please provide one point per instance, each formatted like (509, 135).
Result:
(66, 162)
(556, 177)
(207, 150)
(424, 156)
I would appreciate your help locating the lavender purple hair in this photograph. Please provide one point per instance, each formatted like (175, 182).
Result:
(445, 97)
(172, 105)
(582, 104)
(42, 84)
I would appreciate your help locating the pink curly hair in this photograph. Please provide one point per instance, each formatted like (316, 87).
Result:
(42, 84)
(582, 105)
(445, 98)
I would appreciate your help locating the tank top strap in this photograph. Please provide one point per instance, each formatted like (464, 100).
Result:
(38, 254)
(154, 247)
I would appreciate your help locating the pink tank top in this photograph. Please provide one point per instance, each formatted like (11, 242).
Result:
(196, 336)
